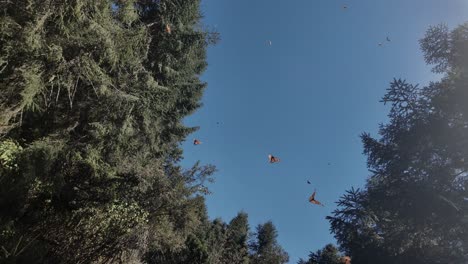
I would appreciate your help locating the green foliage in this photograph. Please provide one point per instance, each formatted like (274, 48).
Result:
(265, 249)
(95, 91)
(216, 237)
(9, 151)
(328, 255)
(413, 209)
(236, 246)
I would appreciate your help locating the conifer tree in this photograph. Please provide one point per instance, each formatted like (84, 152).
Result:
(413, 209)
(328, 255)
(265, 248)
(216, 238)
(92, 95)
(236, 249)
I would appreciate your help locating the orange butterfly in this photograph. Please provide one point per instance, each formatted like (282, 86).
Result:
(273, 159)
(168, 29)
(196, 142)
(345, 260)
(312, 199)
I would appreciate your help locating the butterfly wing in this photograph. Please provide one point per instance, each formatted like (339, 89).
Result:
(318, 203)
(312, 200)
(273, 159)
(345, 260)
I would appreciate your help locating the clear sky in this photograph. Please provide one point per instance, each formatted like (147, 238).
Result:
(306, 99)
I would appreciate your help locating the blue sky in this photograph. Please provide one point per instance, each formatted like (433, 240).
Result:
(306, 99)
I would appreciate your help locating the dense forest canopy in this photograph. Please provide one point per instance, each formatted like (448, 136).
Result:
(93, 94)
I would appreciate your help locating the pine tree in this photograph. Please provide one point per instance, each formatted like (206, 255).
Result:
(93, 94)
(328, 255)
(216, 237)
(265, 249)
(412, 209)
(236, 246)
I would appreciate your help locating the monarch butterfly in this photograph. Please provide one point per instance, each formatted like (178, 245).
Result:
(312, 199)
(196, 142)
(273, 159)
(388, 39)
(308, 182)
(345, 260)
(168, 29)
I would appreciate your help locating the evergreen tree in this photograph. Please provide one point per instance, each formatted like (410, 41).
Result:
(413, 209)
(216, 237)
(93, 94)
(265, 248)
(236, 248)
(328, 255)
(213, 242)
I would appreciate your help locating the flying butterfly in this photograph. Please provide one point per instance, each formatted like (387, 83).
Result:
(168, 29)
(312, 199)
(196, 142)
(273, 159)
(345, 260)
